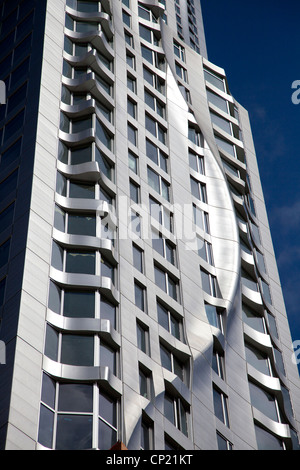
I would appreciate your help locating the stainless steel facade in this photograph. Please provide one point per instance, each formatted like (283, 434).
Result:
(150, 308)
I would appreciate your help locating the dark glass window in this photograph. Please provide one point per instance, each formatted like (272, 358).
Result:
(14, 125)
(74, 432)
(4, 253)
(11, 154)
(6, 217)
(75, 397)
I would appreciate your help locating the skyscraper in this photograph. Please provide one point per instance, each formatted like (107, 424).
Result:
(140, 300)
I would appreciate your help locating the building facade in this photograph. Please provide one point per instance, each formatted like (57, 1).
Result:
(140, 300)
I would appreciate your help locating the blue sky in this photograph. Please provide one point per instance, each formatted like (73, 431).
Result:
(257, 43)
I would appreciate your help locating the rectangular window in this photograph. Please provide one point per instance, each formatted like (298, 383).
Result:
(134, 191)
(142, 333)
(217, 101)
(176, 412)
(209, 283)
(138, 258)
(201, 218)
(155, 104)
(156, 155)
(169, 321)
(132, 134)
(161, 214)
(4, 253)
(155, 129)
(140, 296)
(133, 162)
(220, 406)
(198, 189)
(156, 182)
(166, 282)
(196, 162)
(215, 80)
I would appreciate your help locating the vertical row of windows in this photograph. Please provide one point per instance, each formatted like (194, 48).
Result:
(78, 415)
(225, 120)
(157, 166)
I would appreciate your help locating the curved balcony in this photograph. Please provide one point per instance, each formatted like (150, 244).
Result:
(99, 16)
(85, 325)
(94, 281)
(97, 374)
(88, 83)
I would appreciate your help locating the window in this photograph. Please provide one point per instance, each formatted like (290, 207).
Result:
(129, 39)
(107, 424)
(140, 296)
(248, 280)
(214, 316)
(161, 214)
(134, 191)
(266, 291)
(198, 189)
(221, 122)
(195, 136)
(74, 223)
(131, 108)
(196, 162)
(132, 134)
(181, 72)
(253, 319)
(156, 129)
(73, 261)
(4, 253)
(133, 162)
(146, 14)
(169, 321)
(267, 441)
(258, 359)
(179, 51)
(6, 217)
(155, 104)
(77, 350)
(272, 325)
(158, 183)
(209, 283)
(217, 101)
(126, 18)
(138, 255)
(148, 35)
(263, 401)
(2, 290)
(154, 80)
(166, 282)
(223, 443)
(145, 382)
(172, 363)
(131, 83)
(135, 225)
(204, 250)
(130, 60)
(146, 435)
(164, 247)
(200, 218)
(156, 155)
(220, 406)
(214, 80)
(226, 146)
(14, 125)
(176, 412)
(218, 363)
(142, 332)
